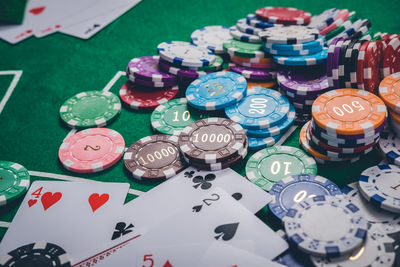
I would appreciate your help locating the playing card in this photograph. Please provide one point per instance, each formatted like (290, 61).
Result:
(85, 26)
(73, 215)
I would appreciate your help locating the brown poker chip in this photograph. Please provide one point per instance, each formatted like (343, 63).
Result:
(154, 157)
(212, 140)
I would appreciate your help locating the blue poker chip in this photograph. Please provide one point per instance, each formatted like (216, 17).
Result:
(242, 26)
(243, 37)
(216, 90)
(310, 60)
(262, 108)
(289, 53)
(278, 129)
(296, 47)
(260, 143)
(295, 188)
(252, 20)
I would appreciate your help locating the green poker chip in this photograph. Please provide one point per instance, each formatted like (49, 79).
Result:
(173, 116)
(268, 166)
(90, 109)
(14, 181)
(352, 18)
(243, 49)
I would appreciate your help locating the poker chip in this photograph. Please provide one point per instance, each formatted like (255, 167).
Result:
(262, 84)
(256, 143)
(296, 47)
(268, 66)
(146, 68)
(329, 61)
(252, 20)
(309, 60)
(191, 74)
(341, 66)
(324, 19)
(376, 251)
(372, 62)
(151, 84)
(251, 73)
(341, 18)
(343, 27)
(353, 65)
(216, 90)
(90, 109)
(154, 158)
(303, 83)
(173, 116)
(211, 37)
(335, 63)
(137, 97)
(391, 62)
(242, 26)
(212, 140)
(378, 186)
(289, 35)
(328, 211)
(360, 65)
(389, 91)
(278, 129)
(36, 254)
(255, 60)
(243, 37)
(260, 109)
(185, 54)
(348, 111)
(269, 165)
(284, 15)
(387, 221)
(243, 49)
(14, 182)
(91, 150)
(290, 53)
(294, 189)
(389, 144)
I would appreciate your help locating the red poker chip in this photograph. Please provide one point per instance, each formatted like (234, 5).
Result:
(283, 15)
(391, 57)
(140, 97)
(372, 63)
(360, 66)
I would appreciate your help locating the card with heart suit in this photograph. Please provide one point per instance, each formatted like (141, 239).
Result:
(221, 218)
(73, 215)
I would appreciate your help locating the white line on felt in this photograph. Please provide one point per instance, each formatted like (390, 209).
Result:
(4, 224)
(286, 135)
(74, 179)
(17, 75)
(114, 80)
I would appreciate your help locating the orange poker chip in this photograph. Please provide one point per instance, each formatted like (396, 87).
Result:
(262, 60)
(349, 111)
(389, 91)
(270, 84)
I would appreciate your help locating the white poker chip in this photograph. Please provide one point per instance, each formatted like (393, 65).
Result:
(185, 54)
(244, 37)
(242, 26)
(376, 252)
(380, 186)
(324, 19)
(325, 226)
(389, 144)
(387, 221)
(211, 37)
(293, 34)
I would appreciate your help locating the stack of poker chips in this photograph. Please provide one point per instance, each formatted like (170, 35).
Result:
(389, 93)
(147, 86)
(346, 124)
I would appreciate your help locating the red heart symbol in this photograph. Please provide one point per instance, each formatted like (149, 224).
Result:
(37, 10)
(96, 200)
(49, 199)
(31, 202)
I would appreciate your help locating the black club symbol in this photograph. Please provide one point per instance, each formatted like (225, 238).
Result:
(189, 174)
(203, 182)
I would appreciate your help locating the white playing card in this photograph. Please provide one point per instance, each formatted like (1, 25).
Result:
(221, 219)
(73, 215)
(85, 26)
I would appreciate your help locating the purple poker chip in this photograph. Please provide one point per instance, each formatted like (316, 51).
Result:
(329, 62)
(189, 74)
(146, 68)
(335, 63)
(303, 83)
(151, 83)
(252, 73)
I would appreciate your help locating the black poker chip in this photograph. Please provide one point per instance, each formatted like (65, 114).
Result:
(341, 70)
(39, 254)
(347, 63)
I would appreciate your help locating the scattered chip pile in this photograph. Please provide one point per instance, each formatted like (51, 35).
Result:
(346, 124)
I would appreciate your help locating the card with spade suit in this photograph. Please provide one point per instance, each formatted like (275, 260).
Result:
(73, 215)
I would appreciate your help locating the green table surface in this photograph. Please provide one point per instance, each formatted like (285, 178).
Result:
(58, 66)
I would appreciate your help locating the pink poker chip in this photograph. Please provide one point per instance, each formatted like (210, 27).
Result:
(91, 150)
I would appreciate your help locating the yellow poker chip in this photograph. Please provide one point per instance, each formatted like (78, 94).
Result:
(349, 111)
(389, 91)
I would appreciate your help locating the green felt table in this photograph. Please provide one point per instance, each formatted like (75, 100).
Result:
(57, 67)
